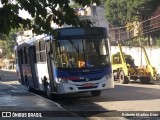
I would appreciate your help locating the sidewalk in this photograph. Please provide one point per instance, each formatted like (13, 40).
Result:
(18, 101)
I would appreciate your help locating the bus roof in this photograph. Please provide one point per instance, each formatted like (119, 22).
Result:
(79, 32)
(68, 32)
(29, 42)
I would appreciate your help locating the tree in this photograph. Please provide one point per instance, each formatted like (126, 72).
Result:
(120, 12)
(158, 42)
(42, 11)
(7, 43)
(125, 13)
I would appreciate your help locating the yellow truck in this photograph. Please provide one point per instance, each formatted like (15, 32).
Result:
(1, 64)
(125, 70)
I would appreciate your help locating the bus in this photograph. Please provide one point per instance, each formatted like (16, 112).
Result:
(72, 60)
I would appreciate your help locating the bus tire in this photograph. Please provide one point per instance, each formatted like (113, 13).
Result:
(96, 93)
(122, 78)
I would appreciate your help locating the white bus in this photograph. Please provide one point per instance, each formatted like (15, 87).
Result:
(73, 60)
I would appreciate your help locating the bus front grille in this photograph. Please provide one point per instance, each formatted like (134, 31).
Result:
(86, 73)
(83, 88)
(84, 80)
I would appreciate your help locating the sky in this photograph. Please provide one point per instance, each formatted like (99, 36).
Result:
(22, 13)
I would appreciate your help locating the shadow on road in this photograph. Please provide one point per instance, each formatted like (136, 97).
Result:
(128, 93)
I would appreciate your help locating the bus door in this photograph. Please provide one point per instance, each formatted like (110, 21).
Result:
(20, 61)
(50, 69)
(32, 57)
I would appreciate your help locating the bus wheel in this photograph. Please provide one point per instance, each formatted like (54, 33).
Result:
(123, 79)
(96, 93)
(49, 92)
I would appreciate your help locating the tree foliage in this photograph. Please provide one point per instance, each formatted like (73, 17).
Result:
(158, 42)
(7, 43)
(120, 12)
(42, 11)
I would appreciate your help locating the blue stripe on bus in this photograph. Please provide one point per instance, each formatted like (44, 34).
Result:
(77, 74)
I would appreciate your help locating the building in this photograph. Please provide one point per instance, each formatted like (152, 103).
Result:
(94, 13)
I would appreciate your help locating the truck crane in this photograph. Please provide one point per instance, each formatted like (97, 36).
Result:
(149, 68)
(125, 70)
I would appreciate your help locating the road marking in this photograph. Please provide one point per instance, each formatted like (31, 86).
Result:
(144, 92)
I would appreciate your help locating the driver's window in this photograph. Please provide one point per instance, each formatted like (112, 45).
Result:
(102, 47)
(55, 53)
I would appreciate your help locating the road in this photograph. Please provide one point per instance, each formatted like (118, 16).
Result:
(130, 97)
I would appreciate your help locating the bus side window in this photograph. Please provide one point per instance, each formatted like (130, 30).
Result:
(42, 51)
(37, 51)
(23, 56)
(34, 53)
(26, 55)
(20, 54)
(16, 57)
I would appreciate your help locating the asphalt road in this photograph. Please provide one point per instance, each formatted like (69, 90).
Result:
(132, 97)
(112, 103)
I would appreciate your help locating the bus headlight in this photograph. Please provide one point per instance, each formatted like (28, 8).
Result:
(62, 80)
(109, 76)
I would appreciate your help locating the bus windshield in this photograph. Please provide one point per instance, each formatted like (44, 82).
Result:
(79, 53)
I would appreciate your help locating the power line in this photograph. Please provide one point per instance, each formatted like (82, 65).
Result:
(151, 18)
(152, 24)
(125, 36)
(126, 39)
(140, 22)
(151, 31)
(128, 32)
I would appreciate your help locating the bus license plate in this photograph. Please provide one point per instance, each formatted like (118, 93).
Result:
(88, 84)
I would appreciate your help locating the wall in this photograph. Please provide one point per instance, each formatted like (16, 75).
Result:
(153, 55)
